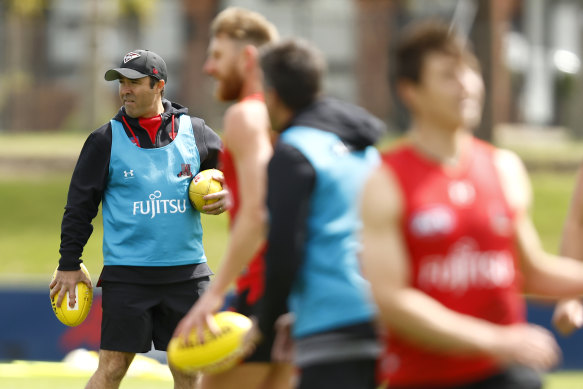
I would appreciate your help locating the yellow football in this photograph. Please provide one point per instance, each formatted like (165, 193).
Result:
(203, 184)
(218, 352)
(74, 316)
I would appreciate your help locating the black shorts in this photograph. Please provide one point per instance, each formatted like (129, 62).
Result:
(516, 377)
(262, 352)
(358, 373)
(135, 315)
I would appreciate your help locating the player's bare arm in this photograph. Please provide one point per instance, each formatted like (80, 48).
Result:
(246, 134)
(544, 274)
(568, 315)
(420, 318)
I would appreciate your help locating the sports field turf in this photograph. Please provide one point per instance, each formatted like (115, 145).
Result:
(563, 380)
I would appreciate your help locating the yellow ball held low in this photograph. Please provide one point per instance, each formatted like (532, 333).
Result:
(218, 352)
(203, 184)
(76, 315)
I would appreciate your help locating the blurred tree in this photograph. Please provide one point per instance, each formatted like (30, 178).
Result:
(375, 25)
(491, 25)
(137, 14)
(25, 62)
(144, 9)
(28, 7)
(198, 16)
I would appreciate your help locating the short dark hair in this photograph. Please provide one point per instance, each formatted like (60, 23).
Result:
(420, 39)
(153, 82)
(295, 69)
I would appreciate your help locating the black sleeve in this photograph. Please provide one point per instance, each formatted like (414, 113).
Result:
(291, 180)
(208, 143)
(85, 193)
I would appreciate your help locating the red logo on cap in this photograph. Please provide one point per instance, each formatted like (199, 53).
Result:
(155, 71)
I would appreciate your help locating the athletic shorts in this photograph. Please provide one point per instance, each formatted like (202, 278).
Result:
(516, 377)
(357, 373)
(135, 315)
(262, 352)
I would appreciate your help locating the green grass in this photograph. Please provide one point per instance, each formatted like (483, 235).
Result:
(31, 205)
(43, 144)
(552, 195)
(79, 382)
(32, 209)
(562, 380)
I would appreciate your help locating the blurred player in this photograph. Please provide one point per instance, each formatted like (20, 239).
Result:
(449, 247)
(321, 159)
(236, 35)
(140, 164)
(568, 314)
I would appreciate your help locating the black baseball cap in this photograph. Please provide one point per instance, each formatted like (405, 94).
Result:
(138, 64)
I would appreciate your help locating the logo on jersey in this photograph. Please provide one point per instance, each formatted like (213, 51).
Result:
(465, 267)
(461, 193)
(340, 148)
(129, 56)
(433, 221)
(500, 221)
(128, 173)
(156, 205)
(185, 172)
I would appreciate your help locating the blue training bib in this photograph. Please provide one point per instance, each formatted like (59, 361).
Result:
(147, 216)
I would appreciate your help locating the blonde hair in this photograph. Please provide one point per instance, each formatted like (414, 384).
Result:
(245, 26)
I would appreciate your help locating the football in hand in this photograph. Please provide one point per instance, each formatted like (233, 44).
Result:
(203, 184)
(218, 352)
(74, 316)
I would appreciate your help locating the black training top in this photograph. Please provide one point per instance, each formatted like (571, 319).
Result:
(89, 181)
(289, 168)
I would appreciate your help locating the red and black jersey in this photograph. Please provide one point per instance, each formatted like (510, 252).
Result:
(251, 280)
(459, 233)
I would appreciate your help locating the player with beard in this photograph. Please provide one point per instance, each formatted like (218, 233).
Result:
(236, 35)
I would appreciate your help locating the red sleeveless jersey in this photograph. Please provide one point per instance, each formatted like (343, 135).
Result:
(458, 230)
(251, 279)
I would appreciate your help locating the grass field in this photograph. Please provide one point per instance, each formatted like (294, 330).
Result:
(31, 205)
(32, 208)
(561, 380)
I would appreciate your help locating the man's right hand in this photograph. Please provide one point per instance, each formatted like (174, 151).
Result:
(66, 281)
(528, 345)
(568, 316)
(200, 316)
(283, 345)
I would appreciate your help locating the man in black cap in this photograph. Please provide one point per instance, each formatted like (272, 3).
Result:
(139, 165)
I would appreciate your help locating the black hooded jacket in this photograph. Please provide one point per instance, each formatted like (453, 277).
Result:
(89, 182)
(291, 182)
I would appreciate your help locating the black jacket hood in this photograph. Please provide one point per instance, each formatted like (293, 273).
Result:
(354, 125)
(170, 108)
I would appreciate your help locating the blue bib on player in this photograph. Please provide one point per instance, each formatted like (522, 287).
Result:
(330, 292)
(147, 216)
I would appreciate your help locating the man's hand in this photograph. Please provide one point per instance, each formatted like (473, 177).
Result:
(65, 281)
(252, 338)
(200, 317)
(283, 345)
(224, 199)
(568, 316)
(528, 345)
